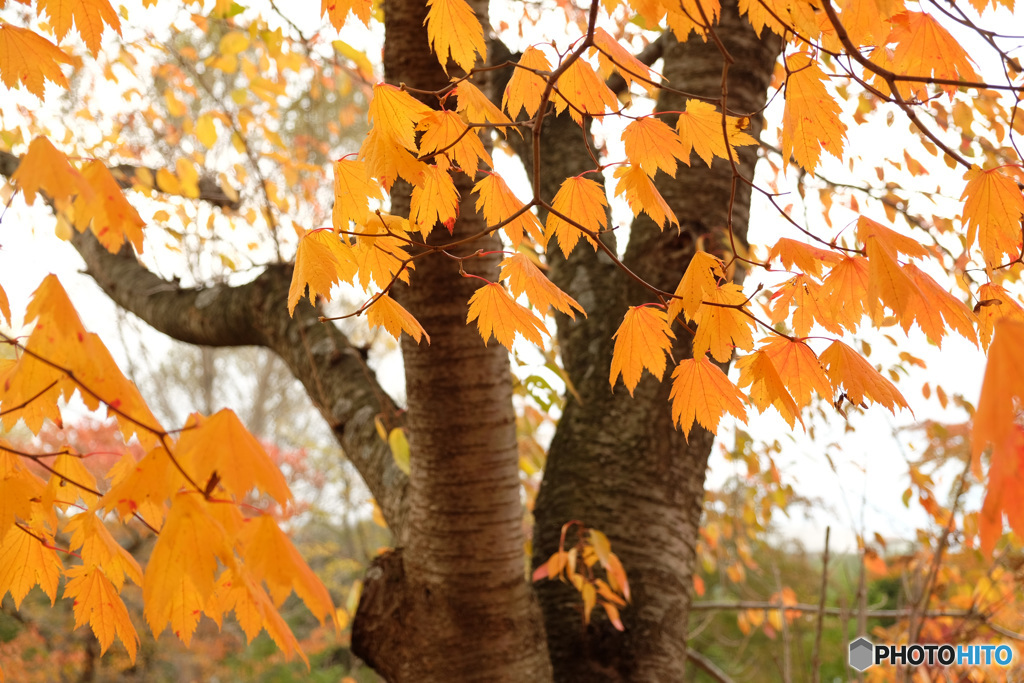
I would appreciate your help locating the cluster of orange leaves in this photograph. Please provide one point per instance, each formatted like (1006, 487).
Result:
(576, 566)
(193, 486)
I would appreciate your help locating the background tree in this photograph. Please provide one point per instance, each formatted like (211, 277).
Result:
(451, 602)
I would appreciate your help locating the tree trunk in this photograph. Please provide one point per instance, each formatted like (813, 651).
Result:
(454, 604)
(617, 463)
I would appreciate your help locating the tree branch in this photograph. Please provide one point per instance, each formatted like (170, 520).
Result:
(320, 356)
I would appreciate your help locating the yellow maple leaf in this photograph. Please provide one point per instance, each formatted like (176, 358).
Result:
(387, 313)
(337, 11)
(453, 28)
(651, 144)
(26, 560)
(320, 262)
(700, 130)
(498, 313)
(525, 88)
(811, 120)
(353, 188)
(642, 195)
(221, 446)
(434, 200)
(701, 392)
(44, 168)
(584, 90)
(69, 480)
(859, 380)
(767, 388)
(97, 603)
(1001, 389)
(925, 48)
(180, 574)
(526, 278)
(642, 341)
(28, 59)
(581, 200)
(499, 204)
(90, 17)
(722, 328)
(395, 113)
(477, 107)
(993, 208)
(445, 133)
(702, 275)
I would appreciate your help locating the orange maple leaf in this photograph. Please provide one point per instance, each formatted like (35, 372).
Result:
(925, 48)
(807, 258)
(337, 11)
(395, 114)
(700, 129)
(526, 278)
(106, 212)
(811, 120)
(499, 204)
(859, 380)
(97, 603)
(27, 559)
(847, 282)
(642, 341)
(28, 59)
(220, 446)
(642, 195)
(447, 135)
(614, 57)
(44, 168)
(721, 326)
(800, 370)
(320, 262)
(89, 16)
(701, 392)
(581, 200)
(387, 313)
(353, 188)
(767, 388)
(498, 313)
(993, 208)
(702, 275)
(477, 107)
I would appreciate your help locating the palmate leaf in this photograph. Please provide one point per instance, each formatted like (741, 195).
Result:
(642, 341)
(28, 59)
(496, 313)
(453, 29)
(702, 393)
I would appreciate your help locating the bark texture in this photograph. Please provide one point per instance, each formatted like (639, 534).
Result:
(618, 463)
(466, 608)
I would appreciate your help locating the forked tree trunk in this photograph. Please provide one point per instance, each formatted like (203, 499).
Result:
(617, 463)
(461, 609)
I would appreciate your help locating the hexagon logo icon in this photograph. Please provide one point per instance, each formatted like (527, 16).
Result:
(861, 654)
